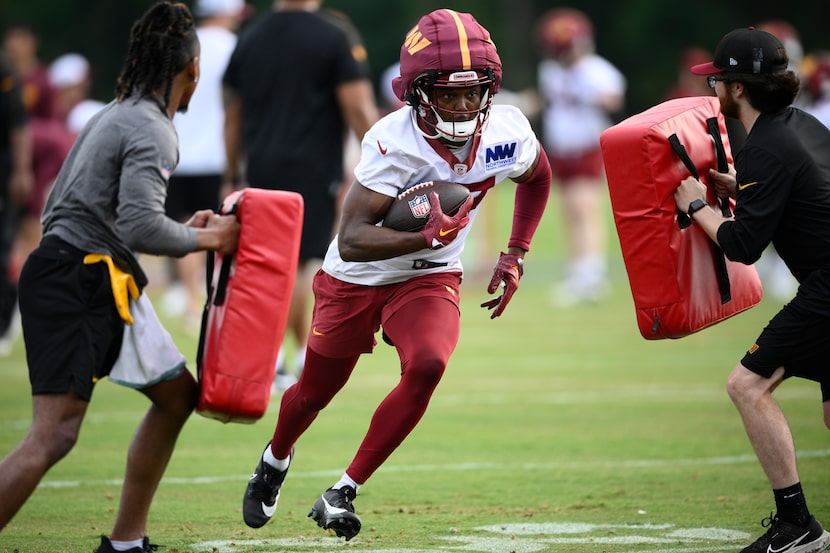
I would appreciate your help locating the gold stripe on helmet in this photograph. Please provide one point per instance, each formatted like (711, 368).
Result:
(462, 40)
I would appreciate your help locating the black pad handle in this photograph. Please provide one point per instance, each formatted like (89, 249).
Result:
(215, 296)
(720, 155)
(684, 221)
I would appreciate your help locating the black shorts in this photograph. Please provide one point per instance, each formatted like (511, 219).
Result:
(798, 339)
(187, 194)
(71, 328)
(319, 213)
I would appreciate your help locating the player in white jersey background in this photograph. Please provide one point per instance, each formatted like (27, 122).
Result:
(580, 93)
(408, 282)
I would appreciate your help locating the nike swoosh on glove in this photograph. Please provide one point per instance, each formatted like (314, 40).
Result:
(441, 229)
(508, 271)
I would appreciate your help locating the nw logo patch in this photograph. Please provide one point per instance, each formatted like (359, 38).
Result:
(500, 155)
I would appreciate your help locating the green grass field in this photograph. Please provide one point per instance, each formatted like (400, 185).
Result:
(554, 430)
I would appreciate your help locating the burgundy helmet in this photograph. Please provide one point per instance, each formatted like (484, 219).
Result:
(564, 29)
(448, 49)
(816, 74)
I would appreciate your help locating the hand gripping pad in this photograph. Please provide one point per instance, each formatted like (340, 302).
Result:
(247, 305)
(679, 279)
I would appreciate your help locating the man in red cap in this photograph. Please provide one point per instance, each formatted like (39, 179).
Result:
(408, 282)
(781, 184)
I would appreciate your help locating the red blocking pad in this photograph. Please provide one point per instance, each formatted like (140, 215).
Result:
(246, 312)
(680, 281)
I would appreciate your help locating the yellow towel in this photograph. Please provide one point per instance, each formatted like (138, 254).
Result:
(123, 285)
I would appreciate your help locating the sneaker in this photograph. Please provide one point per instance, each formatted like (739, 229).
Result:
(282, 380)
(9, 335)
(106, 547)
(571, 293)
(263, 492)
(783, 537)
(334, 511)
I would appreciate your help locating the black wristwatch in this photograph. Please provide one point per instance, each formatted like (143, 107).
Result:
(696, 206)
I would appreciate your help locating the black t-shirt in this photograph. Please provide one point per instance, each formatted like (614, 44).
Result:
(285, 68)
(783, 196)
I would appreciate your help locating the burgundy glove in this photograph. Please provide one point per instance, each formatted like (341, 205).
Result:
(441, 229)
(508, 271)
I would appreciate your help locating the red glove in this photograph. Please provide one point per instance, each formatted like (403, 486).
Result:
(441, 229)
(507, 273)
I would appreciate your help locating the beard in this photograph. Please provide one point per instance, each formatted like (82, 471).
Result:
(728, 106)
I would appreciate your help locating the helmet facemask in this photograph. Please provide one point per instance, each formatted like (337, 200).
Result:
(428, 113)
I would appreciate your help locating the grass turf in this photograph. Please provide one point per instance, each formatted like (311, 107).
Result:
(554, 430)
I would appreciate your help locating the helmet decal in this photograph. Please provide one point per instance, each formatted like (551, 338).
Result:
(415, 41)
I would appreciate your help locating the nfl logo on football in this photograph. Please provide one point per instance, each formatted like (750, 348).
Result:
(419, 206)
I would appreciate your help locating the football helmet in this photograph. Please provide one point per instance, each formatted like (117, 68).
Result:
(447, 49)
(787, 34)
(815, 70)
(564, 30)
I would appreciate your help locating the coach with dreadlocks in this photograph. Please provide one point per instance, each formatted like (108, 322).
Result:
(83, 312)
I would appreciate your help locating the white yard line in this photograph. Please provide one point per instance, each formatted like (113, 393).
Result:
(570, 465)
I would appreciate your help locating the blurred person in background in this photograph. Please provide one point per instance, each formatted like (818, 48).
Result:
(16, 184)
(816, 73)
(689, 85)
(21, 44)
(581, 94)
(50, 137)
(71, 77)
(286, 123)
(197, 182)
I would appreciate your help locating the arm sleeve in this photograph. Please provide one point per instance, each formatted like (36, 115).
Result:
(529, 206)
(763, 186)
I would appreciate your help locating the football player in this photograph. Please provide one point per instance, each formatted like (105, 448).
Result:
(407, 283)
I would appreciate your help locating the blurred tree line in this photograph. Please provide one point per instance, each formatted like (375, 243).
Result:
(644, 38)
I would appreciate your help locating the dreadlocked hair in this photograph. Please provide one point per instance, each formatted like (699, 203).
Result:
(161, 45)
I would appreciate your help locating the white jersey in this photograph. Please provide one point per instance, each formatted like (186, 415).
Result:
(201, 129)
(572, 119)
(395, 156)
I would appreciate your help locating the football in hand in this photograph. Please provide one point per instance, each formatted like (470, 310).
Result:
(410, 209)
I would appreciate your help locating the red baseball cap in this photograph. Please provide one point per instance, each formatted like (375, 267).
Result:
(747, 51)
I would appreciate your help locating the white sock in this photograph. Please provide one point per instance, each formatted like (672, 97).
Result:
(300, 360)
(279, 464)
(346, 480)
(281, 360)
(127, 545)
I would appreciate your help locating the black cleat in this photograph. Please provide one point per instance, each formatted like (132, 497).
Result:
(334, 511)
(784, 537)
(146, 547)
(263, 493)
